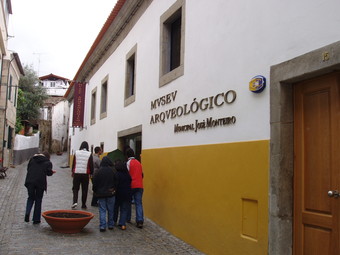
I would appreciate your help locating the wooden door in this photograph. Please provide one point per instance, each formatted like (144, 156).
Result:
(316, 166)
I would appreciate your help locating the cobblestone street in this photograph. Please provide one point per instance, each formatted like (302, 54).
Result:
(18, 237)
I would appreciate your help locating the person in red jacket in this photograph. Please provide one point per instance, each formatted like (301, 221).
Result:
(136, 173)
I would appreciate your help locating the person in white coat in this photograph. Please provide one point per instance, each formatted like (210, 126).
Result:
(82, 170)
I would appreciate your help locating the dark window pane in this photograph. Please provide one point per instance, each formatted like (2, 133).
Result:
(175, 44)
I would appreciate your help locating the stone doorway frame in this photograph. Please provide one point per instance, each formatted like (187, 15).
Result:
(282, 77)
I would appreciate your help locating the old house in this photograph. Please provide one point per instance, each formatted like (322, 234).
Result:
(54, 117)
(11, 70)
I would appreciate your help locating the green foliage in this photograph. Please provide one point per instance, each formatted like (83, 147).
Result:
(18, 125)
(31, 96)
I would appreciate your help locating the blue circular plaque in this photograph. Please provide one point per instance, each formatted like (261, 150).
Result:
(257, 84)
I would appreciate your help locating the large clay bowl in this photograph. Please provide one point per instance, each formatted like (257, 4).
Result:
(67, 221)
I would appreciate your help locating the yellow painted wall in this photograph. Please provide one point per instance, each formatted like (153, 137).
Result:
(214, 197)
(71, 161)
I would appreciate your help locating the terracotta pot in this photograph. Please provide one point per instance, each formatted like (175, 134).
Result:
(67, 221)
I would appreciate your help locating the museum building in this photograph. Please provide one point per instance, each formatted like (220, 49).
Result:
(232, 108)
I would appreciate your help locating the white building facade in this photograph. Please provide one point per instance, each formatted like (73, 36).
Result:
(60, 121)
(54, 85)
(54, 114)
(175, 80)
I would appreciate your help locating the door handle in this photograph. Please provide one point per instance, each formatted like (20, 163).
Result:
(333, 193)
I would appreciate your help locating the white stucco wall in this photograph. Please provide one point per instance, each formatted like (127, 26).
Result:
(60, 120)
(226, 44)
(59, 88)
(26, 142)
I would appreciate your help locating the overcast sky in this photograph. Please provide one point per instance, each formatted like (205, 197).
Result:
(55, 35)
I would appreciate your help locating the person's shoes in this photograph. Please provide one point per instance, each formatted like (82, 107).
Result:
(110, 228)
(84, 207)
(36, 222)
(140, 224)
(74, 206)
(27, 218)
(123, 227)
(102, 230)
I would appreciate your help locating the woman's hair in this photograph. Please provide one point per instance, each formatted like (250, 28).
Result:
(84, 145)
(106, 161)
(97, 149)
(46, 154)
(120, 166)
(130, 153)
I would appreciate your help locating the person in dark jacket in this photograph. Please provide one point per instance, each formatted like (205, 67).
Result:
(123, 195)
(96, 164)
(104, 187)
(38, 168)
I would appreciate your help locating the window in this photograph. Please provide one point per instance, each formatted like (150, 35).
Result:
(130, 88)
(9, 96)
(10, 137)
(130, 77)
(103, 99)
(175, 43)
(16, 96)
(93, 106)
(172, 43)
(52, 84)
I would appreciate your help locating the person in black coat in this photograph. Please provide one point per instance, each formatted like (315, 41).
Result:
(38, 168)
(104, 188)
(124, 192)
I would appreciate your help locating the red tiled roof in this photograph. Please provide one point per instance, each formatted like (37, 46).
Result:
(52, 76)
(102, 32)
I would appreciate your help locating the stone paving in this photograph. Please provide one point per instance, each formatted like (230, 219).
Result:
(20, 238)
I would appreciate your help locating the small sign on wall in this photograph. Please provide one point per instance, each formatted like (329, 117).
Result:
(257, 84)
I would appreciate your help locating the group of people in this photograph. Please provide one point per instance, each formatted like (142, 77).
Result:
(115, 185)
